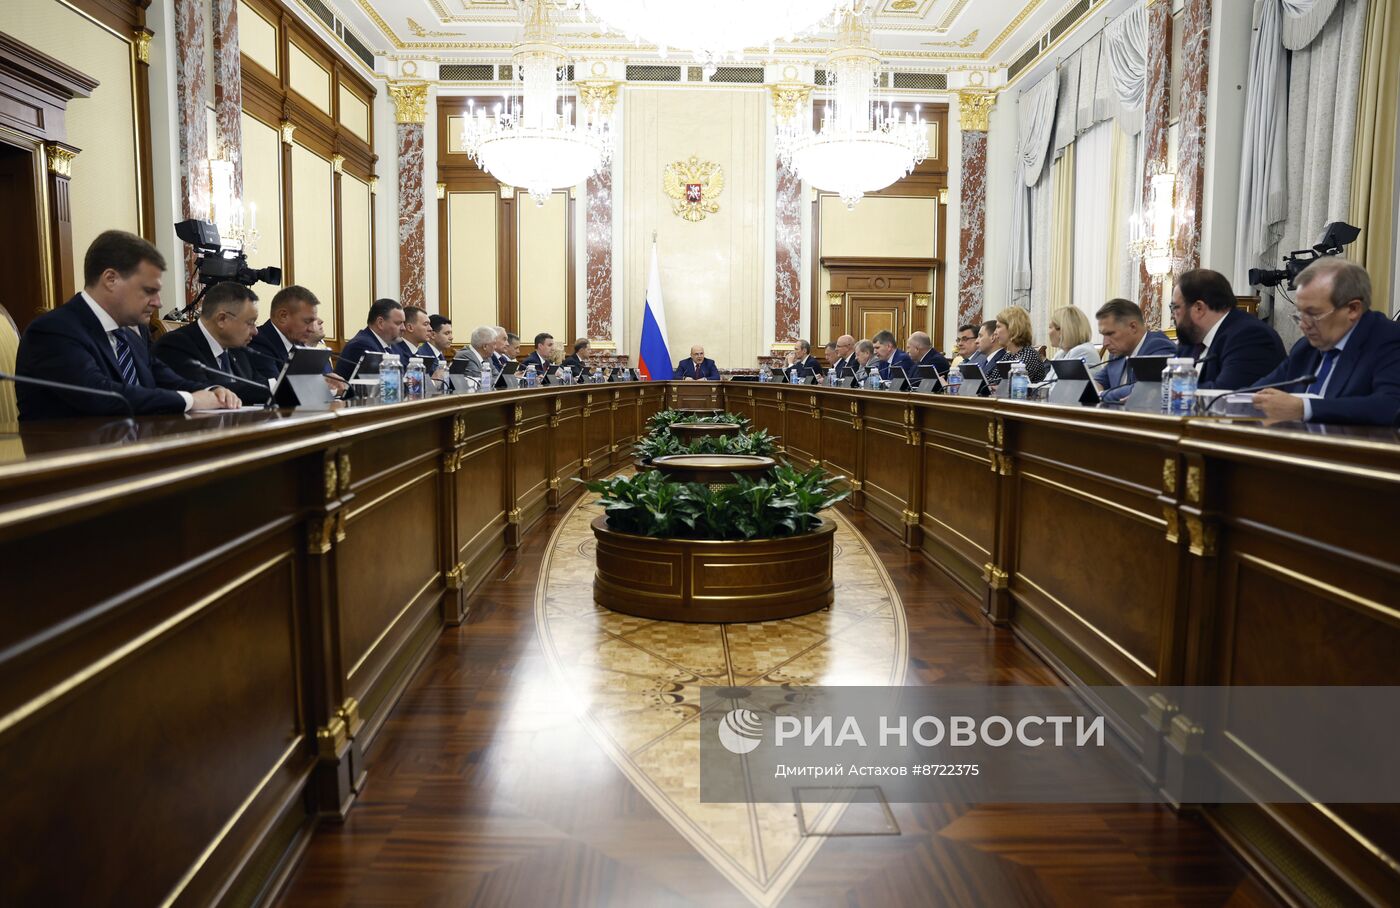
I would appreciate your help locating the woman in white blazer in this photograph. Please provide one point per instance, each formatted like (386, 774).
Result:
(1069, 333)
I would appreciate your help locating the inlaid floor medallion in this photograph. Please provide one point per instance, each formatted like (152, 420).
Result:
(635, 685)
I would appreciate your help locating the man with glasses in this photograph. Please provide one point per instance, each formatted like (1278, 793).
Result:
(1351, 352)
(845, 356)
(1232, 348)
(215, 346)
(966, 346)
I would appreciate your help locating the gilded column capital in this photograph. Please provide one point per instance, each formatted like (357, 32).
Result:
(338, 163)
(598, 93)
(789, 98)
(288, 129)
(975, 110)
(60, 159)
(141, 43)
(410, 101)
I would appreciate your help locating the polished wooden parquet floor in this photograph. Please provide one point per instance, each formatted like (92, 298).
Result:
(484, 788)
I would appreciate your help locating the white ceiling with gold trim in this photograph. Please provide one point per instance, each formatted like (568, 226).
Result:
(934, 34)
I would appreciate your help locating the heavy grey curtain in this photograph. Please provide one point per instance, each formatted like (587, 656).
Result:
(1035, 125)
(1125, 55)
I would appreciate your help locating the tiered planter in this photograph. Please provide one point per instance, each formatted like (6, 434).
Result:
(713, 469)
(687, 432)
(711, 581)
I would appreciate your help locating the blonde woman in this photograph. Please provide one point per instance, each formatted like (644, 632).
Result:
(1013, 335)
(1069, 334)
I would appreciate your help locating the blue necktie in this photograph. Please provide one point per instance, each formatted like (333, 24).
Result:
(1328, 359)
(125, 361)
(226, 362)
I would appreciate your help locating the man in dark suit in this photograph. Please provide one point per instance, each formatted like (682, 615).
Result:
(697, 367)
(1232, 348)
(845, 356)
(803, 356)
(988, 353)
(440, 337)
(542, 354)
(1353, 352)
(292, 321)
(575, 360)
(500, 349)
(920, 348)
(888, 354)
(1125, 335)
(228, 320)
(99, 340)
(417, 332)
(381, 334)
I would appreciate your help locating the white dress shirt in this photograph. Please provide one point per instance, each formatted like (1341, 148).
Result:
(110, 327)
(1322, 392)
(214, 346)
(1209, 338)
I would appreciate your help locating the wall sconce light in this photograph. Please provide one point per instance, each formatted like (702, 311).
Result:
(1153, 233)
(238, 224)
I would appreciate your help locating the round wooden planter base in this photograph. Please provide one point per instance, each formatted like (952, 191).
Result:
(686, 432)
(713, 469)
(712, 581)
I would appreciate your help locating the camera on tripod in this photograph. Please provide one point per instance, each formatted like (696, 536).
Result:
(1336, 237)
(216, 263)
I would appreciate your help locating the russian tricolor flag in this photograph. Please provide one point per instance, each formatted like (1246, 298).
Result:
(653, 357)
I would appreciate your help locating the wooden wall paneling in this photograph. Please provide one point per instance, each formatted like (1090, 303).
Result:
(959, 494)
(141, 67)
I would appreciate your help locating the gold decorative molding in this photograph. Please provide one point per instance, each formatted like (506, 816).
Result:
(996, 578)
(349, 713)
(943, 196)
(1186, 736)
(330, 738)
(856, 485)
(452, 461)
(320, 534)
(459, 428)
(288, 129)
(442, 190)
(991, 433)
(922, 300)
(693, 186)
(141, 43)
(456, 576)
(1202, 536)
(517, 415)
(911, 518)
(1169, 475)
(374, 185)
(337, 163)
(554, 483)
(513, 435)
(586, 464)
(1173, 528)
(790, 99)
(514, 516)
(60, 160)
(343, 468)
(331, 483)
(975, 110)
(1194, 481)
(835, 298)
(599, 94)
(1001, 434)
(410, 102)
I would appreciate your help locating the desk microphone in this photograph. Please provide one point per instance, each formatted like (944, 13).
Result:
(1301, 380)
(229, 375)
(64, 386)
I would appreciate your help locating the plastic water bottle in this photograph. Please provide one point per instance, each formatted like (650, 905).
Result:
(597, 375)
(415, 379)
(485, 380)
(872, 380)
(1183, 388)
(390, 381)
(763, 374)
(1020, 382)
(532, 378)
(954, 381)
(1167, 384)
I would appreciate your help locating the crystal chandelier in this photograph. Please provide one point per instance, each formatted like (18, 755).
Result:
(862, 144)
(538, 140)
(237, 223)
(716, 30)
(1151, 234)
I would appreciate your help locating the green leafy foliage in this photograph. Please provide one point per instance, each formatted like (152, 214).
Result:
(786, 503)
(663, 444)
(664, 419)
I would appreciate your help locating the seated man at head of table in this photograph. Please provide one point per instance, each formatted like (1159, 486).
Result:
(1125, 335)
(887, 354)
(292, 321)
(217, 342)
(99, 340)
(697, 367)
(920, 349)
(382, 334)
(1352, 351)
(543, 354)
(417, 332)
(1232, 348)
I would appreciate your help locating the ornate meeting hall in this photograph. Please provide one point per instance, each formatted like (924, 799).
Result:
(650, 453)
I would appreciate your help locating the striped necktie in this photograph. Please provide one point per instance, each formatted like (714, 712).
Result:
(125, 361)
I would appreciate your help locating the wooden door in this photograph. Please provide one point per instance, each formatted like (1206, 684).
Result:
(871, 313)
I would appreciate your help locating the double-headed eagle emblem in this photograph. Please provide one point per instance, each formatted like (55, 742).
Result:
(693, 185)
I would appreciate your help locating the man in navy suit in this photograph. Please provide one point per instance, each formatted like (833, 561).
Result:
(920, 348)
(888, 354)
(1125, 335)
(1353, 352)
(417, 332)
(500, 349)
(99, 340)
(802, 356)
(542, 354)
(697, 367)
(228, 320)
(845, 356)
(291, 322)
(381, 334)
(1232, 348)
(988, 353)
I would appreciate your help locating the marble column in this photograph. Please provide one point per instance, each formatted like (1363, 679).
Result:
(191, 90)
(598, 230)
(1156, 115)
(974, 118)
(228, 90)
(410, 110)
(1191, 138)
(787, 271)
